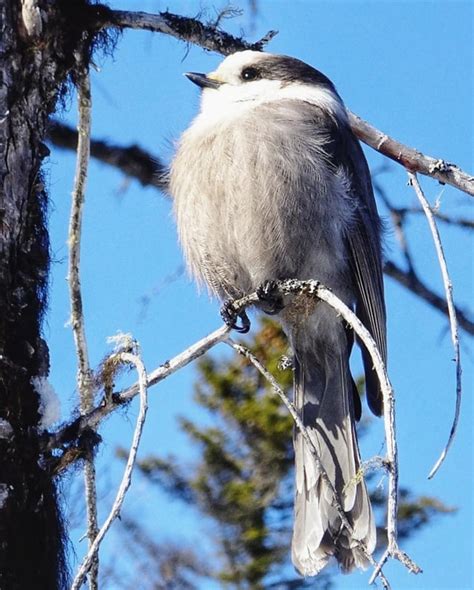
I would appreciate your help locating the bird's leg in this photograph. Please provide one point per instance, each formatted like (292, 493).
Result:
(269, 295)
(229, 315)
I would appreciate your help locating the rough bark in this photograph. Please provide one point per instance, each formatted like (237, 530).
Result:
(36, 55)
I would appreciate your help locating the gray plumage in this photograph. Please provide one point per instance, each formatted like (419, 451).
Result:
(269, 183)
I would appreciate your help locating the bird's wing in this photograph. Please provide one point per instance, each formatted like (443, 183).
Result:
(364, 245)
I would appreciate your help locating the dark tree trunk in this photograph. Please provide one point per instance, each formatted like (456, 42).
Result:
(36, 56)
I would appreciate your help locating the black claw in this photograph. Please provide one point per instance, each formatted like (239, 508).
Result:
(229, 316)
(245, 327)
(269, 295)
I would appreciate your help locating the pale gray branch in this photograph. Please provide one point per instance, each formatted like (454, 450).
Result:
(74, 239)
(72, 432)
(242, 350)
(133, 359)
(410, 158)
(452, 314)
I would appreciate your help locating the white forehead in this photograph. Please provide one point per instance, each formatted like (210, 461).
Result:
(236, 61)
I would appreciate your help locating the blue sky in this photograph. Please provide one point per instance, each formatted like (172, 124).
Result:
(404, 66)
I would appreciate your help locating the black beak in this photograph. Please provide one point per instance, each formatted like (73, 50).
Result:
(202, 80)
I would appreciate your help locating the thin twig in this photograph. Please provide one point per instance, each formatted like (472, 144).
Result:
(133, 359)
(398, 224)
(242, 350)
(413, 283)
(245, 352)
(84, 379)
(452, 315)
(457, 221)
(74, 240)
(411, 159)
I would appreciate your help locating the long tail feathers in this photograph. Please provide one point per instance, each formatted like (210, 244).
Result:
(323, 396)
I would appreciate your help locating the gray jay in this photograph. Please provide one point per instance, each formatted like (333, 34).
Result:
(270, 183)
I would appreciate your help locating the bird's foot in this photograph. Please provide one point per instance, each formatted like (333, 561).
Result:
(270, 298)
(285, 363)
(229, 315)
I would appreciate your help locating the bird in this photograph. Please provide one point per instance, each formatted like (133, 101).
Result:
(269, 183)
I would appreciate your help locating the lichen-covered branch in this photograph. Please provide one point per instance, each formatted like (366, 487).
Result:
(183, 28)
(84, 374)
(74, 239)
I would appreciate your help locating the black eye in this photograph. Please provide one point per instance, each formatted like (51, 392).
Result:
(249, 74)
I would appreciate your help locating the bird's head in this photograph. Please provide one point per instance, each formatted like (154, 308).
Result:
(248, 78)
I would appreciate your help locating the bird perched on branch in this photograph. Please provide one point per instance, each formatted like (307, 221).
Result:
(269, 183)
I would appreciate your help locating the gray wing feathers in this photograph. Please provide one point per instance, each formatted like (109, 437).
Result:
(364, 243)
(370, 309)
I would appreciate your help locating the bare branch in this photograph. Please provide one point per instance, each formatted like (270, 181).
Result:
(242, 350)
(134, 359)
(70, 433)
(448, 219)
(184, 28)
(452, 314)
(84, 375)
(398, 224)
(413, 283)
(410, 158)
(133, 161)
